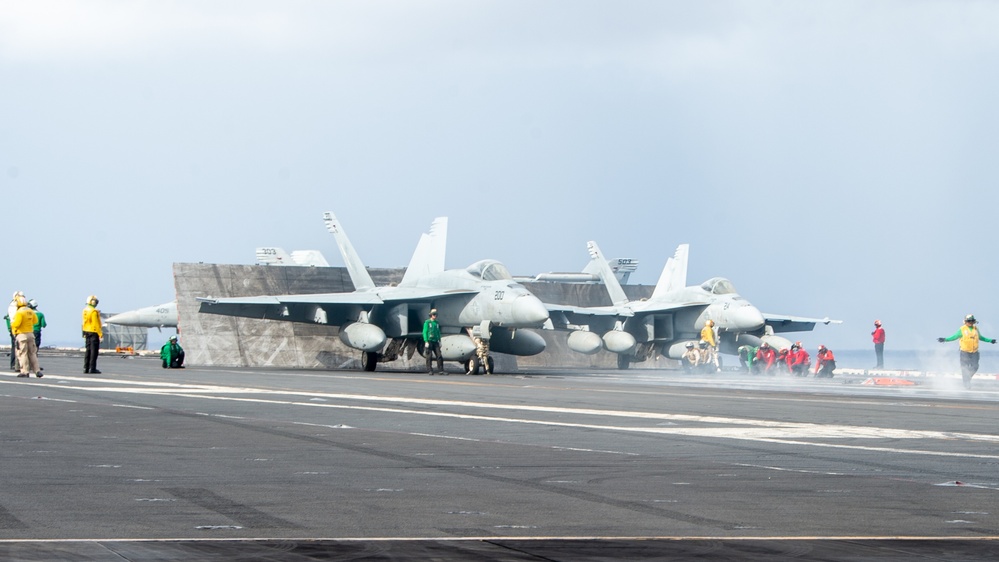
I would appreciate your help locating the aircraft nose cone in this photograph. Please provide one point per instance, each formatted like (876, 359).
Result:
(123, 318)
(746, 318)
(528, 310)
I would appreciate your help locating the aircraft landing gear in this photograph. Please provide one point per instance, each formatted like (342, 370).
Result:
(623, 361)
(480, 335)
(473, 364)
(369, 360)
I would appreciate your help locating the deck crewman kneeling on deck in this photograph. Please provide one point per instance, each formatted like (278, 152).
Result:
(172, 354)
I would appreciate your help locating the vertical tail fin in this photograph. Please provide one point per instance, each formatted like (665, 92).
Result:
(674, 275)
(428, 259)
(606, 275)
(358, 274)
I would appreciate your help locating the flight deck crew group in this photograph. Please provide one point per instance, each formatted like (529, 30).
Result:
(25, 323)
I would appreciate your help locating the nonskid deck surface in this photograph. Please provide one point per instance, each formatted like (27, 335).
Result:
(141, 463)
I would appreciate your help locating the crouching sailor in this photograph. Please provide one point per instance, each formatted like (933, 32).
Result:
(172, 354)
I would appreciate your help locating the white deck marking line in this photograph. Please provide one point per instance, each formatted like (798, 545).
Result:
(781, 469)
(733, 433)
(778, 431)
(793, 428)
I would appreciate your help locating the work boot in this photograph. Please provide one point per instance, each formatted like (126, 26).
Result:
(95, 372)
(39, 374)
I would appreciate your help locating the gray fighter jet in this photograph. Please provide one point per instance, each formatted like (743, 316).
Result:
(159, 316)
(277, 256)
(383, 323)
(621, 267)
(671, 317)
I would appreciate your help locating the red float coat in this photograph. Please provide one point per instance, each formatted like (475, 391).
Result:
(822, 358)
(879, 335)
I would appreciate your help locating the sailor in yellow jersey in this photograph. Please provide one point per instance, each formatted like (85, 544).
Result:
(708, 335)
(969, 336)
(92, 335)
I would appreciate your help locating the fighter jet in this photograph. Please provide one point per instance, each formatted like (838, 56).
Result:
(277, 256)
(159, 316)
(165, 315)
(621, 267)
(383, 323)
(671, 317)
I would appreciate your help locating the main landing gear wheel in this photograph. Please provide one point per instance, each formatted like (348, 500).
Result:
(623, 361)
(489, 365)
(369, 360)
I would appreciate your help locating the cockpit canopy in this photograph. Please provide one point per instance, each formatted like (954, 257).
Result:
(718, 286)
(489, 270)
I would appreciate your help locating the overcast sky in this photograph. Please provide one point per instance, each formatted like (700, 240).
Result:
(831, 158)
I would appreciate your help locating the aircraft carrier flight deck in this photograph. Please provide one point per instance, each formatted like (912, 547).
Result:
(143, 463)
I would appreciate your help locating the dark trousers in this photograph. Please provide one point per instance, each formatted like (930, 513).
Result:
(432, 348)
(826, 370)
(176, 362)
(879, 351)
(93, 346)
(13, 353)
(38, 339)
(969, 366)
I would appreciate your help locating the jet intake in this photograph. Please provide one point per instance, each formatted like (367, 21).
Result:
(457, 347)
(619, 342)
(366, 337)
(587, 343)
(522, 342)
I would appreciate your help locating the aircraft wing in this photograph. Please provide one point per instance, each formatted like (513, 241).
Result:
(324, 308)
(357, 297)
(782, 323)
(589, 310)
(319, 308)
(635, 308)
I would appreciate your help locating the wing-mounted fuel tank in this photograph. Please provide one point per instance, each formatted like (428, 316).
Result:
(584, 342)
(522, 342)
(617, 341)
(359, 335)
(457, 347)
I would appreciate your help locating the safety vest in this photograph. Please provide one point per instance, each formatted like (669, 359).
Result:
(708, 335)
(969, 339)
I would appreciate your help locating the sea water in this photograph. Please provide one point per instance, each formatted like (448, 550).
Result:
(944, 359)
